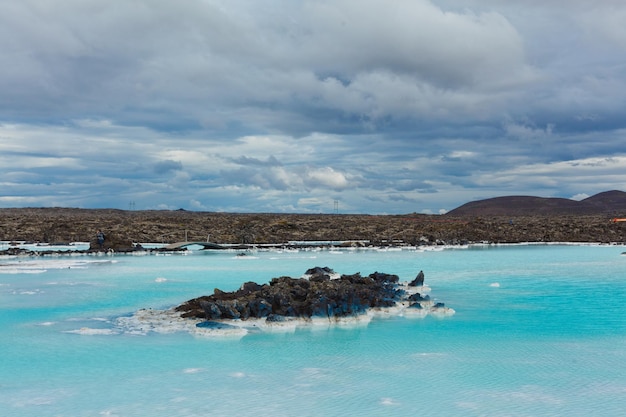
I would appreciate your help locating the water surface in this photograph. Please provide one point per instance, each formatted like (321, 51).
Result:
(539, 330)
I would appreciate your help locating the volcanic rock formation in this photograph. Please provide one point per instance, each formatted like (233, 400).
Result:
(316, 295)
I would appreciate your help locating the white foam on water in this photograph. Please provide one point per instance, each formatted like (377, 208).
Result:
(388, 401)
(15, 271)
(88, 331)
(38, 266)
(28, 398)
(192, 370)
(424, 289)
(108, 413)
(100, 319)
(235, 332)
(360, 320)
(73, 283)
(29, 292)
(428, 355)
(160, 279)
(147, 321)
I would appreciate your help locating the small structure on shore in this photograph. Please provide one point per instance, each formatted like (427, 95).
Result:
(112, 242)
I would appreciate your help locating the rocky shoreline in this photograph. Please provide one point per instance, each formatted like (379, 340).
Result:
(50, 225)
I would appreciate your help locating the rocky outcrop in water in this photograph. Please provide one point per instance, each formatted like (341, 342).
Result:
(315, 295)
(418, 281)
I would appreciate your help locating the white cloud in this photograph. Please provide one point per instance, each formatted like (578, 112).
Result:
(325, 177)
(579, 197)
(549, 179)
(217, 58)
(606, 23)
(240, 105)
(412, 37)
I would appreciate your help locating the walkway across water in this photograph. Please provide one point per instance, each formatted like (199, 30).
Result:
(182, 245)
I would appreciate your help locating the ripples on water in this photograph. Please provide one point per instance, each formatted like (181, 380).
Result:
(548, 339)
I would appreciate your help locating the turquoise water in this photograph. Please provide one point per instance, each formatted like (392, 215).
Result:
(538, 331)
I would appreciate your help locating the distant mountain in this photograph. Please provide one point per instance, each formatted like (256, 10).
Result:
(609, 200)
(605, 203)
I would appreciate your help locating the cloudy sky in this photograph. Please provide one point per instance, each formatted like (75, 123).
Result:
(358, 106)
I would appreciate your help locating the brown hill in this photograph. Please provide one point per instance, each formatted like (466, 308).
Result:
(605, 203)
(609, 201)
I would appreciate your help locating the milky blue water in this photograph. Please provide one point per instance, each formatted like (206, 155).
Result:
(538, 331)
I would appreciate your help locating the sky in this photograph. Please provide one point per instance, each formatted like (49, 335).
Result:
(298, 106)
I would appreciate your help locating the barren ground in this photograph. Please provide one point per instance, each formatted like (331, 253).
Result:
(52, 225)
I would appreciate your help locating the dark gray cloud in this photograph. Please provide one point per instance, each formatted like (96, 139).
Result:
(165, 166)
(246, 160)
(239, 105)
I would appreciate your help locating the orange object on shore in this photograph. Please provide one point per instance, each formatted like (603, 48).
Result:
(615, 220)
